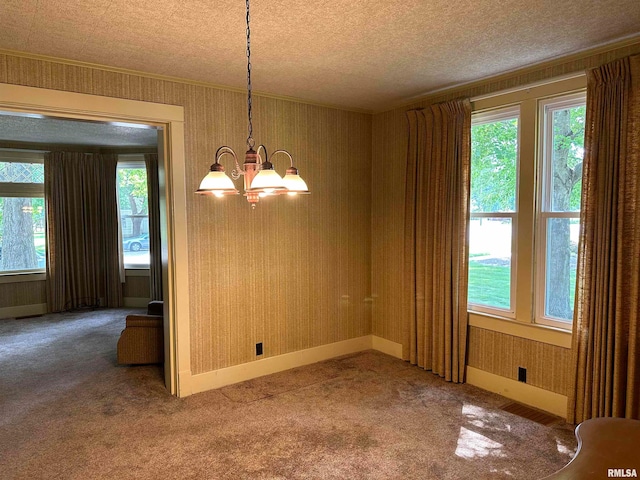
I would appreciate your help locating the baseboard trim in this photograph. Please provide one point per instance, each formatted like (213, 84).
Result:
(386, 346)
(135, 302)
(23, 310)
(521, 392)
(184, 384)
(246, 371)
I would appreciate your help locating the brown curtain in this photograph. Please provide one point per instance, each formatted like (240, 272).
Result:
(605, 331)
(82, 231)
(155, 245)
(436, 258)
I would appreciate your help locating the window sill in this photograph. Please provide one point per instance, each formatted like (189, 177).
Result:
(530, 331)
(23, 277)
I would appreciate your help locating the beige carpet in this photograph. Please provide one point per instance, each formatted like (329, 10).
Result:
(68, 412)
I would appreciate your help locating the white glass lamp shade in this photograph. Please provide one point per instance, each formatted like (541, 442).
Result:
(218, 184)
(267, 181)
(295, 184)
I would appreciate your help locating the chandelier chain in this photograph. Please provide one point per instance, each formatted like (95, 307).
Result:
(250, 141)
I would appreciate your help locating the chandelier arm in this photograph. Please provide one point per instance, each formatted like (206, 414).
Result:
(285, 152)
(237, 172)
(266, 155)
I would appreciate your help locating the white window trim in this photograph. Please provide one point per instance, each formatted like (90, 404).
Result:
(543, 209)
(481, 118)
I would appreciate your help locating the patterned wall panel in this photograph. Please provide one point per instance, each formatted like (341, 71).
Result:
(295, 272)
(547, 365)
(136, 287)
(22, 293)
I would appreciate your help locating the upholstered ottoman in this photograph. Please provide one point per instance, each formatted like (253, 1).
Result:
(142, 340)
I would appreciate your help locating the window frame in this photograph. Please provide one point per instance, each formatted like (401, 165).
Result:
(523, 325)
(131, 161)
(24, 190)
(507, 112)
(544, 205)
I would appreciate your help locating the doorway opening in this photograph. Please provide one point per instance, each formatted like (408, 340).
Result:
(168, 122)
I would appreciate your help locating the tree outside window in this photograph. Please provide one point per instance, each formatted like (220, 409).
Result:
(22, 216)
(558, 226)
(134, 213)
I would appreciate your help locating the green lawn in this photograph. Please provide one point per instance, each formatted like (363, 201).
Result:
(489, 284)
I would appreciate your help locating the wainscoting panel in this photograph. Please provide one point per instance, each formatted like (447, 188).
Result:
(22, 293)
(547, 365)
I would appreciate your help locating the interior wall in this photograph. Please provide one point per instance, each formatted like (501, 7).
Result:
(295, 272)
(547, 364)
(23, 293)
(32, 293)
(136, 286)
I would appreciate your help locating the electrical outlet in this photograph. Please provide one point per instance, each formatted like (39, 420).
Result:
(259, 349)
(522, 374)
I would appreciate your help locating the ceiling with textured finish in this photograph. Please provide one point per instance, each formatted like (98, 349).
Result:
(36, 129)
(369, 54)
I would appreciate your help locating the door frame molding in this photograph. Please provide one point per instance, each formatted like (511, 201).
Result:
(175, 260)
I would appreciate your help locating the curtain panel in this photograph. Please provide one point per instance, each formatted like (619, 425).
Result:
(82, 231)
(606, 358)
(436, 224)
(155, 242)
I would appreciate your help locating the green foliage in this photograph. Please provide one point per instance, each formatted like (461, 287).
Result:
(494, 148)
(132, 189)
(570, 141)
(494, 154)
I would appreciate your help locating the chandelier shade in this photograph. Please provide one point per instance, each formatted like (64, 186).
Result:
(260, 178)
(217, 183)
(294, 183)
(267, 180)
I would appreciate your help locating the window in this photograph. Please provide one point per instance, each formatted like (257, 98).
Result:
(494, 160)
(562, 149)
(22, 212)
(133, 210)
(526, 170)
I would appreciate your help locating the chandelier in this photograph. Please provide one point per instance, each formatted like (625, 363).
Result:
(260, 178)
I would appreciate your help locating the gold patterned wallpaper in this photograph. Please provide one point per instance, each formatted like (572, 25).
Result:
(295, 272)
(136, 287)
(547, 365)
(22, 293)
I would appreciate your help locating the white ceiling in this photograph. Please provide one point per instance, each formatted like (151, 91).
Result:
(54, 131)
(368, 54)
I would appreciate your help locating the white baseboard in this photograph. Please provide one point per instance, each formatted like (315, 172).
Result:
(184, 384)
(386, 346)
(536, 397)
(247, 371)
(23, 310)
(135, 302)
